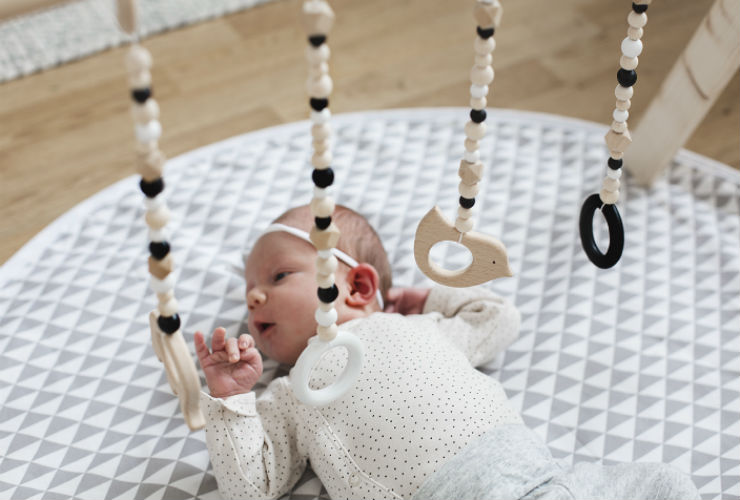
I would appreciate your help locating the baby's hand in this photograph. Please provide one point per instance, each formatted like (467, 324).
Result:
(406, 300)
(233, 367)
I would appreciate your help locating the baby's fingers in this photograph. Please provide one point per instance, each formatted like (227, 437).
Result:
(245, 341)
(218, 342)
(232, 349)
(201, 349)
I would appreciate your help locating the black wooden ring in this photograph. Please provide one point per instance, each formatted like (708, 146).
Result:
(616, 232)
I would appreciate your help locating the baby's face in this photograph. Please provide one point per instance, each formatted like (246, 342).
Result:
(281, 295)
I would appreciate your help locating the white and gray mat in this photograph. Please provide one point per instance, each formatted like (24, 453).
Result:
(50, 37)
(635, 363)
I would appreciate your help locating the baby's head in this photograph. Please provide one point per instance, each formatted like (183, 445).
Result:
(281, 281)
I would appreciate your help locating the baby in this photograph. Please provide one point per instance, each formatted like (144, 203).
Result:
(420, 422)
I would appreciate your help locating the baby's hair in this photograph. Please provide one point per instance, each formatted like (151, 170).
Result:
(358, 239)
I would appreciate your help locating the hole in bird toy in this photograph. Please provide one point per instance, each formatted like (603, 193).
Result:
(451, 255)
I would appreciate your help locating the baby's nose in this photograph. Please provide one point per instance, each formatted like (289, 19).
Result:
(255, 297)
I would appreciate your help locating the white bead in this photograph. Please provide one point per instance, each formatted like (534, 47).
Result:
(163, 286)
(316, 70)
(631, 48)
(138, 59)
(326, 266)
(140, 80)
(322, 207)
(478, 102)
(152, 204)
(317, 55)
(471, 156)
(620, 115)
(637, 20)
(609, 197)
(325, 280)
(320, 192)
(148, 132)
(158, 218)
(325, 254)
(326, 318)
(475, 131)
(619, 127)
(327, 333)
(610, 184)
(484, 46)
(321, 132)
(614, 174)
(168, 308)
(322, 116)
(322, 160)
(158, 235)
(623, 93)
(478, 91)
(463, 225)
(481, 76)
(483, 59)
(464, 213)
(144, 113)
(321, 87)
(628, 63)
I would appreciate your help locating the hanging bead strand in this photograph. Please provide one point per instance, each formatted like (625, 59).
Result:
(318, 19)
(487, 14)
(150, 161)
(618, 138)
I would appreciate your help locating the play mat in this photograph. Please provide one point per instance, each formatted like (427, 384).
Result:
(635, 363)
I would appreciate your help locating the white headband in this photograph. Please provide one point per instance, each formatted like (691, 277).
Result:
(277, 227)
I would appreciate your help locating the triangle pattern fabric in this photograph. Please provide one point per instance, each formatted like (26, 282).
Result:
(634, 363)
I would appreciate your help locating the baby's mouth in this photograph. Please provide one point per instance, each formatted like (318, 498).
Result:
(265, 328)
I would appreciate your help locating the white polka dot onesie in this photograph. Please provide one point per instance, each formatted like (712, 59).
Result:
(417, 402)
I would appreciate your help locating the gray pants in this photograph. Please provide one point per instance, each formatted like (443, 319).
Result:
(512, 463)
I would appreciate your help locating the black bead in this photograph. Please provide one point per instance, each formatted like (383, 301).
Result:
(141, 95)
(328, 295)
(159, 249)
(626, 78)
(323, 178)
(318, 104)
(317, 40)
(153, 188)
(478, 115)
(615, 164)
(467, 202)
(169, 324)
(485, 32)
(639, 8)
(322, 222)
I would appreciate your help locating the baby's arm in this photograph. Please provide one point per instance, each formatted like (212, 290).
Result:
(477, 321)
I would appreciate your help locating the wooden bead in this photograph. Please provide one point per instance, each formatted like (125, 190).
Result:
(471, 145)
(161, 268)
(623, 105)
(618, 142)
(636, 20)
(326, 266)
(140, 80)
(317, 55)
(642, 2)
(138, 59)
(162, 285)
(609, 197)
(470, 173)
(635, 33)
(322, 207)
(321, 146)
(484, 46)
(126, 13)
(623, 93)
(159, 218)
(150, 165)
(475, 131)
(316, 70)
(478, 91)
(611, 184)
(488, 15)
(617, 155)
(483, 59)
(468, 190)
(320, 131)
(168, 308)
(318, 17)
(149, 132)
(481, 76)
(619, 127)
(463, 225)
(144, 113)
(322, 160)
(464, 213)
(320, 87)
(164, 297)
(327, 333)
(478, 102)
(326, 239)
(628, 63)
(325, 280)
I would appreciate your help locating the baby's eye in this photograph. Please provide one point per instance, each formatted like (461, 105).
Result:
(281, 275)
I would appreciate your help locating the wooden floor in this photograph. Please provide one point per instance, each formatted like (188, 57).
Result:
(66, 133)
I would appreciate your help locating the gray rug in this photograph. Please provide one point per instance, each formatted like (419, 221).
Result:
(61, 34)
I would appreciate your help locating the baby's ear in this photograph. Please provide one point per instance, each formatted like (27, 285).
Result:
(363, 281)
